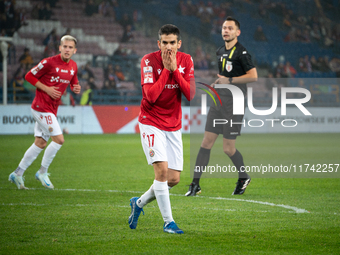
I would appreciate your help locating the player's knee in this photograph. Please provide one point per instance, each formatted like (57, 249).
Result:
(207, 143)
(229, 151)
(58, 139)
(173, 181)
(41, 143)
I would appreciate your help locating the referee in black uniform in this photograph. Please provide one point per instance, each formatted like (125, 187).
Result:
(235, 67)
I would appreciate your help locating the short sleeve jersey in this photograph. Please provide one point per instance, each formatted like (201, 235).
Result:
(53, 71)
(233, 63)
(166, 112)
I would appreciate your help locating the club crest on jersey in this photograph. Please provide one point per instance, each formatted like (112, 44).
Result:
(50, 129)
(152, 153)
(229, 66)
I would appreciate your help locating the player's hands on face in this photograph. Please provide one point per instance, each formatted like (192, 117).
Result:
(173, 61)
(76, 88)
(166, 60)
(53, 92)
(169, 60)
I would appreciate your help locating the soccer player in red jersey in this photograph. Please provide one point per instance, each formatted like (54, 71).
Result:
(51, 78)
(165, 75)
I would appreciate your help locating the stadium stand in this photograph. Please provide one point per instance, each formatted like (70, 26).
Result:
(100, 35)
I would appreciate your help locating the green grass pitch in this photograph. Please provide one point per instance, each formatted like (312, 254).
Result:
(96, 175)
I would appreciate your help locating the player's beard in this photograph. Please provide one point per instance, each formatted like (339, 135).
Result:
(230, 40)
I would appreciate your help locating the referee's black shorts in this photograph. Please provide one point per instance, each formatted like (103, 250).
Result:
(224, 113)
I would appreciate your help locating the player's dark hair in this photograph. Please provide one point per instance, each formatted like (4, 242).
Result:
(169, 29)
(229, 18)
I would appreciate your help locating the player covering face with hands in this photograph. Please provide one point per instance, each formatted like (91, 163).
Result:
(51, 78)
(165, 75)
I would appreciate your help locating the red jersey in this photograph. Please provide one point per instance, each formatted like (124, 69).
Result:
(52, 71)
(162, 90)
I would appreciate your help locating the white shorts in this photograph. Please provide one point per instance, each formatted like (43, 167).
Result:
(159, 145)
(46, 125)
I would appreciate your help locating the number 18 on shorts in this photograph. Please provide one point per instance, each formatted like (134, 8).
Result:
(159, 145)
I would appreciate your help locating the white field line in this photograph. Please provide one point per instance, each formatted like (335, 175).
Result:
(293, 208)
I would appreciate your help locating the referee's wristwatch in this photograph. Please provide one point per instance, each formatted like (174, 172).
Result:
(230, 80)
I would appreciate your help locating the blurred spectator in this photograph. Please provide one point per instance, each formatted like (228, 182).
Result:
(92, 83)
(67, 32)
(200, 60)
(26, 59)
(19, 76)
(305, 65)
(85, 72)
(86, 97)
(324, 64)
(104, 9)
(289, 70)
(52, 37)
(126, 21)
(51, 43)
(334, 65)
(110, 79)
(280, 71)
(259, 34)
(315, 33)
(90, 8)
(128, 34)
(314, 63)
(119, 73)
(120, 51)
(211, 62)
(44, 12)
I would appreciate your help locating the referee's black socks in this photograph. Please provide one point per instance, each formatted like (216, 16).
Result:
(202, 161)
(237, 160)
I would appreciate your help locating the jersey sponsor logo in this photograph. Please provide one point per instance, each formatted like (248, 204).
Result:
(244, 52)
(56, 79)
(36, 69)
(225, 55)
(45, 61)
(181, 69)
(171, 86)
(64, 71)
(57, 69)
(147, 69)
(148, 78)
(64, 81)
(72, 71)
(229, 66)
(146, 61)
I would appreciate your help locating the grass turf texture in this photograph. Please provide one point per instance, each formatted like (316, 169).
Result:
(96, 175)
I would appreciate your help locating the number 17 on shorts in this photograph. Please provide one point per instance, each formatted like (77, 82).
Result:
(159, 145)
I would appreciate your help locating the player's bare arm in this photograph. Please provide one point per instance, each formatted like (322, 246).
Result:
(53, 92)
(76, 88)
(250, 76)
